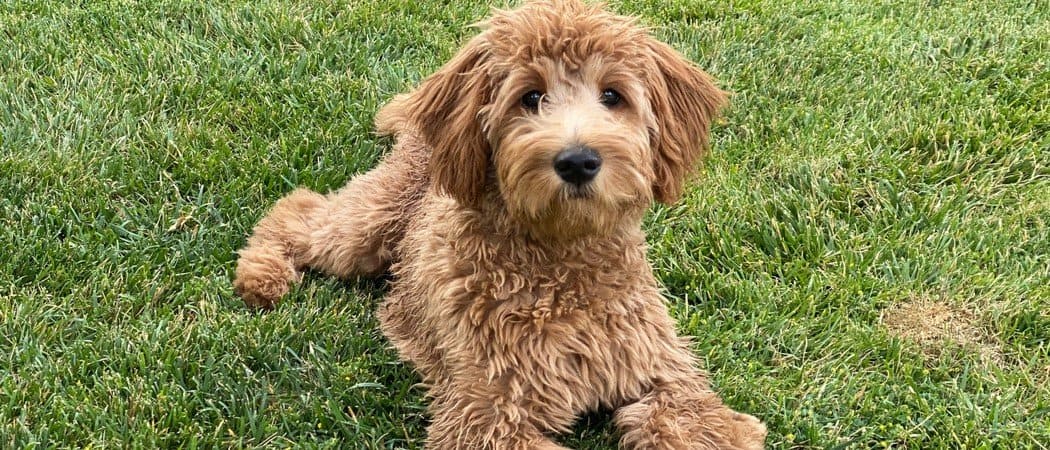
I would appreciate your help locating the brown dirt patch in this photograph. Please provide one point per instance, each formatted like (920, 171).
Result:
(934, 324)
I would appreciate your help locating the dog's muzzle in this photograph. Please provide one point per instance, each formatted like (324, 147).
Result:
(577, 165)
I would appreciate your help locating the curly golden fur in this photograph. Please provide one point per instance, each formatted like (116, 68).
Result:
(521, 298)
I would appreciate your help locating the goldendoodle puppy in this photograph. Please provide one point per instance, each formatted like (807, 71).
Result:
(509, 214)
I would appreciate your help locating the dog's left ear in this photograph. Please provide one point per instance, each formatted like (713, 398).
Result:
(446, 111)
(685, 101)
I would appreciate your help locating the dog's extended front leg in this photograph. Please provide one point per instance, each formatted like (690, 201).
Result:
(346, 233)
(275, 251)
(687, 415)
(350, 232)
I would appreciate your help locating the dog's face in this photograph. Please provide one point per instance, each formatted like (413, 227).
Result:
(575, 117)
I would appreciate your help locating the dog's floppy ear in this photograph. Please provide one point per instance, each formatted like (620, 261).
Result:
(684, 100)
(446, 111)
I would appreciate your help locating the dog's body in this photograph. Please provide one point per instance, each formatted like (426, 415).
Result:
(511, 223)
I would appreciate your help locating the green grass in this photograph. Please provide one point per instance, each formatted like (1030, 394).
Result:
(876, 154)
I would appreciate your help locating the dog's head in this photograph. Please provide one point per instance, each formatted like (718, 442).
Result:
(577, 118)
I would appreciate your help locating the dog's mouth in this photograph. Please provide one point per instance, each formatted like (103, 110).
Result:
(577, 192)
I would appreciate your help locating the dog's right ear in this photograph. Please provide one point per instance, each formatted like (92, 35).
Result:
(446, 110)
(685, 102)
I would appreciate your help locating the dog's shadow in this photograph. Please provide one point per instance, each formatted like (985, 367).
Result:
(594, 430)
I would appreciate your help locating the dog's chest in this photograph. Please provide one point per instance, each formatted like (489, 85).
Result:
(599, 356)
(586, 335)
(579, 320)
(534, 297)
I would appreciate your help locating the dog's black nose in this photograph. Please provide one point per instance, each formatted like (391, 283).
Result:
(577, 165)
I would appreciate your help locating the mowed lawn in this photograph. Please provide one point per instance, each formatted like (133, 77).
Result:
(863, 259)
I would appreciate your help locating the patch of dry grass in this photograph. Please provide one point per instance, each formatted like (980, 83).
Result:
(937, 324)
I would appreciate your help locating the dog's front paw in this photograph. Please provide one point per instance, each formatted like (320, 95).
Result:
(263, 278)
(747, 432)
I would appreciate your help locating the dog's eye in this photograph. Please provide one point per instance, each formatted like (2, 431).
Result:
(611, 98)
(531, 100)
